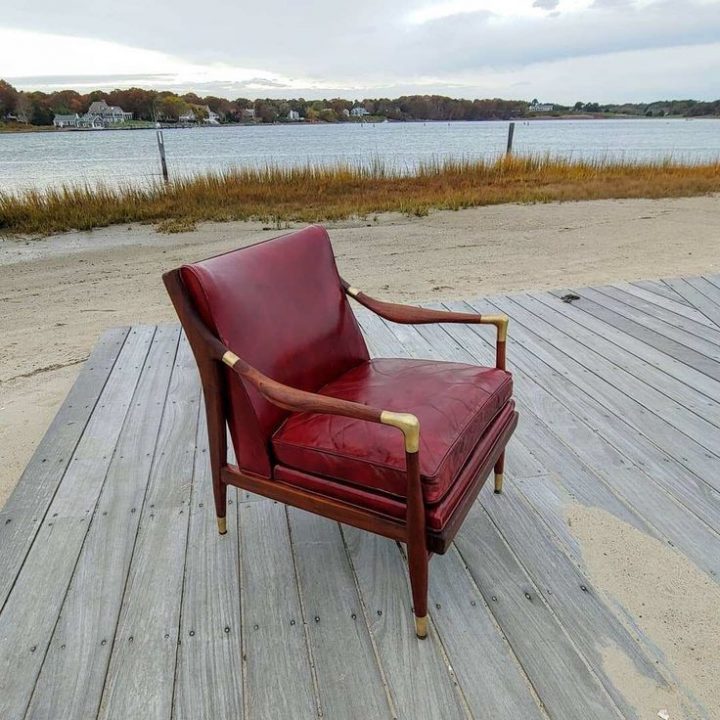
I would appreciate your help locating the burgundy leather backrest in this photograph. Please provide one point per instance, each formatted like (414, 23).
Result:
(280, 306)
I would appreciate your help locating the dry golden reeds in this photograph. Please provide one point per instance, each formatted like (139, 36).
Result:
(313, 193)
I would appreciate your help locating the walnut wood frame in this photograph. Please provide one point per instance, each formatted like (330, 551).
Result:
(210, 353)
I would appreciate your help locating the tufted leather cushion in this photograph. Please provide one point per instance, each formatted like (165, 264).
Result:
(454, 403)
(280, 306)
(460, 495)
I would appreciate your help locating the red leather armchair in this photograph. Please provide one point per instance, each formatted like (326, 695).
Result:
(315, 422)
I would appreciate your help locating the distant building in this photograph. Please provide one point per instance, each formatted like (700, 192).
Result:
(187, 117)
(99, 115)
(293, 115)
(63, 121)
(248, 113)
(536, 107)
(109, 114)
(359, 111)
(346, 112)
(212, 117)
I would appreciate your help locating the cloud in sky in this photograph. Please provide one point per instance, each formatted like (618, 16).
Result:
(560, 50)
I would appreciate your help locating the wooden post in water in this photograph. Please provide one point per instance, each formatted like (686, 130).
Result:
(511, 132)
(161, 148)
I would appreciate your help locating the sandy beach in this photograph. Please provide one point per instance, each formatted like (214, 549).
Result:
(58, 294)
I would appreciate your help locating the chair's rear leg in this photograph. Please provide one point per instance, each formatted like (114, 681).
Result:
(499, 473)
(217, 441)
(418, 557)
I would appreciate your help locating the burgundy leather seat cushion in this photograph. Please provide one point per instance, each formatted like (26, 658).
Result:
(454, 403)
(460, 495)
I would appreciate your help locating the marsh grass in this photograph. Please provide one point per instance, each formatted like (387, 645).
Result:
(312, 193)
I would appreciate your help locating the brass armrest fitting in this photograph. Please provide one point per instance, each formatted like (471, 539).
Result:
(500, 322)
(409, 425)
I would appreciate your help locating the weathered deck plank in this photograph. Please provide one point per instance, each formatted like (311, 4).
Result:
(696, 381)
(645, 408)
(705, 417)
(73, 673)
(696, 328)
(702, 294)
(278, 670)
(139, 680)
(209, 678)
(349, 677)
(678, 350)
(649, 441)
(25, 509)
(658, 287)
(430, 691)
(678, 306)
(489, 673)
(663, 327)
(32, 609)
(527, 622)
(656, 504)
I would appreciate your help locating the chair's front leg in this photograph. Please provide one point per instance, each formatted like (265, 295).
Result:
(418, 557)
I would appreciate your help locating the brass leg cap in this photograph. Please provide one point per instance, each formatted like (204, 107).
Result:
(498, 482)
(222, 525)
(421, 627)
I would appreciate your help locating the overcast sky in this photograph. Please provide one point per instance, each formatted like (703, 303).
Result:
(555, 50)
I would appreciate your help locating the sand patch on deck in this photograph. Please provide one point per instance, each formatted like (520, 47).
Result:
(58, 294)
(673, 602)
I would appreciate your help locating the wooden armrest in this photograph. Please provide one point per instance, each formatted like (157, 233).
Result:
(296, 400)
(275, 392)
(413, 315)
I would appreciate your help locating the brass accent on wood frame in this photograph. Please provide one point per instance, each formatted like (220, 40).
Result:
(409, 425)
(498, 482)
(421, 627)
(353, 291)
(222, 525)
(500, 322)
(230, 358)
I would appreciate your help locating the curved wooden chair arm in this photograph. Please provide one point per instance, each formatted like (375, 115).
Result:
(275, 392)
(413, 315)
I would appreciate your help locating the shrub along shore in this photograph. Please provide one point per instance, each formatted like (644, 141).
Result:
(315, 194)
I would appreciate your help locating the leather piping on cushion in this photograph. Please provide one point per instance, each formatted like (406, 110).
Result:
(378, 476)
(476, 468)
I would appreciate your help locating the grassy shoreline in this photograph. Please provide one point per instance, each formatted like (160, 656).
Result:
(315, 194)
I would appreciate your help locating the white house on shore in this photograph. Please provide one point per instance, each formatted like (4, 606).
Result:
(537, 107)
(99, 115)
(293, 115)
(109, 114)
(359, 111)
(212, 117)
(61, 121)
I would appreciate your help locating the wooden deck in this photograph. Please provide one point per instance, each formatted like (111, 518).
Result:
(119, 599)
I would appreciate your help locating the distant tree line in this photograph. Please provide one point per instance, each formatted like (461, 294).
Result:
(39, 108)
(658, 108)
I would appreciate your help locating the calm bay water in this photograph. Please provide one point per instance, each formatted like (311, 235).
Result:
(41, 160)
